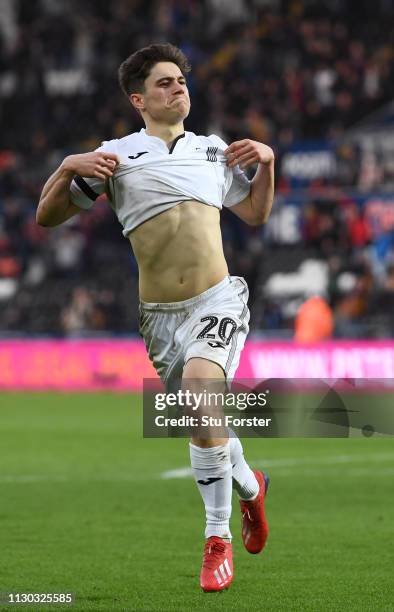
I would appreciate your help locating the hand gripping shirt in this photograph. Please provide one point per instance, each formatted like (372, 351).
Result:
(151, 178)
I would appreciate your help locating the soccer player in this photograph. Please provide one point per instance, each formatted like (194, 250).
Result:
(167, 188)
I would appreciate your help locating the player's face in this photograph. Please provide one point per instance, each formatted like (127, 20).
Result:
(166, 97)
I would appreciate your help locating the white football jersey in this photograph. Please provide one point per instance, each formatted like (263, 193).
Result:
(151, 178)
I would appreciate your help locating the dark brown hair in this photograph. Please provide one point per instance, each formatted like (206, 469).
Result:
(137, 67)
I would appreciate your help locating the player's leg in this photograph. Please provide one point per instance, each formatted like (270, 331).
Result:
(244, 480)
(223, 343)
(251, 486)
(211, 466)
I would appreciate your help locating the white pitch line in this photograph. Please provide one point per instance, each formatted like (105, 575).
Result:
(283, 465)
(179, 473)
(53, 478)
(290, 462)
(27, 478)
(328, 460)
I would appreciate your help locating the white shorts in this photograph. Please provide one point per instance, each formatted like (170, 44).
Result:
(212, 325)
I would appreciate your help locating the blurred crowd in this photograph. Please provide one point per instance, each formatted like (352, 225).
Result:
(278, 71)
(344, 254)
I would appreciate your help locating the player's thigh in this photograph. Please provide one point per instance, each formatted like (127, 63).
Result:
(198, 370)
(201, 375)
(158, 329)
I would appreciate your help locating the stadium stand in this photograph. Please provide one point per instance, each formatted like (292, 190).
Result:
(312, 79)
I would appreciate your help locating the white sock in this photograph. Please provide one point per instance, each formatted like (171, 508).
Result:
(244, 481)
(212, 472)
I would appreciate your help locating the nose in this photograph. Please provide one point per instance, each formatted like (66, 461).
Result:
(179, 88)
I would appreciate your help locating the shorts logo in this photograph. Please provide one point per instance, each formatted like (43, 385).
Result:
(215, 344)
(211, 154)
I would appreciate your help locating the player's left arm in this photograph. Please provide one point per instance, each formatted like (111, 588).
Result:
(256, 207)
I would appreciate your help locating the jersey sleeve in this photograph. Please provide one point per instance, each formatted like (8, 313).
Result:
(238, 187)
(85, 191)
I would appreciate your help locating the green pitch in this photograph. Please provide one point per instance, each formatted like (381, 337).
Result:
(84, 508)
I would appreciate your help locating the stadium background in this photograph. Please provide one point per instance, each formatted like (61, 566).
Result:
(315, 81)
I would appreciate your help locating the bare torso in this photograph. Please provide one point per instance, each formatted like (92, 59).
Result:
(179, 253)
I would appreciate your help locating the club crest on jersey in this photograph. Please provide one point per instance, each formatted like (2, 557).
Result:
(211, 154)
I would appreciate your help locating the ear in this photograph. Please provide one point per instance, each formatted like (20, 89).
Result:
(137, 100)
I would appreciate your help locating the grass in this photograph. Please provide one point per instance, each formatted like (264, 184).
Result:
(84, 509)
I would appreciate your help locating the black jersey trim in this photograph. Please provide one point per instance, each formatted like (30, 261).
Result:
(175, 141)
(88, 191)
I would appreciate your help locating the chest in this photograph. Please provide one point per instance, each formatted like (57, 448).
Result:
(180, 228)
(199, 172)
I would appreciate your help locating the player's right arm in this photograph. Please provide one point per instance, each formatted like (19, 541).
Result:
(55, 205)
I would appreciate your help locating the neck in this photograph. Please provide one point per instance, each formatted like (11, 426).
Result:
(164, 131)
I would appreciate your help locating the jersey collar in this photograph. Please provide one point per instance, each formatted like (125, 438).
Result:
(162, 143)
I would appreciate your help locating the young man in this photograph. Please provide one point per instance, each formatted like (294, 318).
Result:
(167, 187)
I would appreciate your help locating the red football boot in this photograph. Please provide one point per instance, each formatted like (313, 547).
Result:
(254, 523)
(217, 566)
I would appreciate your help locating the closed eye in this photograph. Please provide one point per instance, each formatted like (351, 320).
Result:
(168, 82)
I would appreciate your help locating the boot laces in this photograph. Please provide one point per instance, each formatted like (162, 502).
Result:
(213, 551)
(252, 517)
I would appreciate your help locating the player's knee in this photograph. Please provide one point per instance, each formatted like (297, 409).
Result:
(203, 442)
